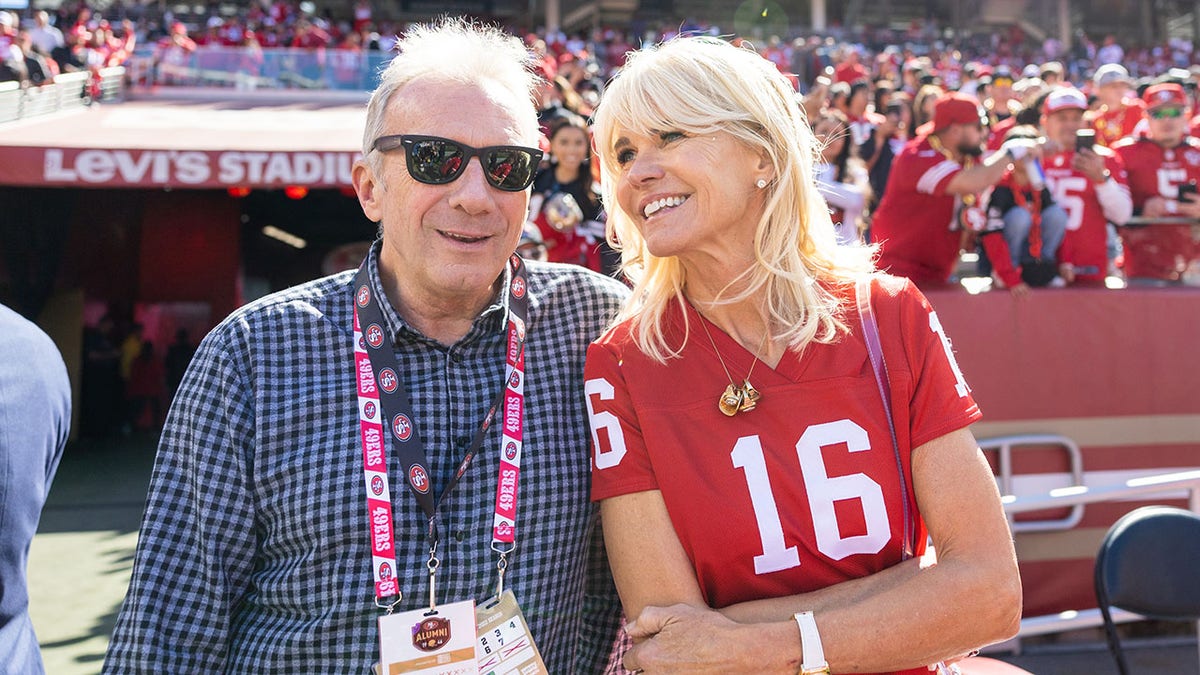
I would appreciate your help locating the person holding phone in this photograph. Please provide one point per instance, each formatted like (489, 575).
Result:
(1088, 181)
(1164, 169)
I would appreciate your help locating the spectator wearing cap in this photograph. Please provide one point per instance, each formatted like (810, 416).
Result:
(1159, 163)
(1119, 112)
(1090, 185)
(1052, 73)
(930, 204)
(8, 33)
(1000, 103)
(912, 75)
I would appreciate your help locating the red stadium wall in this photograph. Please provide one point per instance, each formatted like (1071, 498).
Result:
(1115, 371)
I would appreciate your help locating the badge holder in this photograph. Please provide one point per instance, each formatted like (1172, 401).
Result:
(505, 645)
(436, 641)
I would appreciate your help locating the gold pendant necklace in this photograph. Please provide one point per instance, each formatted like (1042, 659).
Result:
(735, 399)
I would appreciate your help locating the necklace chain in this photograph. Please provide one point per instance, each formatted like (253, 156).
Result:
(735, 399)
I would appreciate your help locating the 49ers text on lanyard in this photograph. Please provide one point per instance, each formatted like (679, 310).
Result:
(383, 397)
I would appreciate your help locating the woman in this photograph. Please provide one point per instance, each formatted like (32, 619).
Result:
(923, 102)
(564, 205)
(841, 175)
(744, 464)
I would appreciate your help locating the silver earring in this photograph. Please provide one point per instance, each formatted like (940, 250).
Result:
(762, 183)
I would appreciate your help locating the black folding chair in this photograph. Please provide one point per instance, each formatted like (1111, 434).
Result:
(1149, 563)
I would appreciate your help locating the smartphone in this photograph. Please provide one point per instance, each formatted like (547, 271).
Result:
(1188, 188)
(1085, 139)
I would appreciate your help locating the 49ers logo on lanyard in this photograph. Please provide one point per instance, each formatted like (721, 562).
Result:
(418, 478)
(402, 427)
(374, 335)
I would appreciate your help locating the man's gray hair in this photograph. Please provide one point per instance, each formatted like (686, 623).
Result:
(456, 50)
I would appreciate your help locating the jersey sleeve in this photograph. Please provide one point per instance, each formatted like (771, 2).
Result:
(620, 463)
(935, 173)
(940, 400)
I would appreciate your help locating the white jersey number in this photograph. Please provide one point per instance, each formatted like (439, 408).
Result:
(1169, 181)
(823, 491)
(610, 423)
(960, 382)
(1068, 193)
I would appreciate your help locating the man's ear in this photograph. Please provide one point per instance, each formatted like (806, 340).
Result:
(368, 190)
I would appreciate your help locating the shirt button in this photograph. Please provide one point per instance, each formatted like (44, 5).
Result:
(457, 357)
(459, 536)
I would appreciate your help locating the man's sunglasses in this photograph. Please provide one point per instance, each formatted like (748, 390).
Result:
(437, 161)
(1166, 113)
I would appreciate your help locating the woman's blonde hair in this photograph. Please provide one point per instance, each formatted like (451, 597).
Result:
(702, 85)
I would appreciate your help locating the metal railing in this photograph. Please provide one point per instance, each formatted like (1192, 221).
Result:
(247, 69)
(68, 91)
(1165, 486)
(1004, 446)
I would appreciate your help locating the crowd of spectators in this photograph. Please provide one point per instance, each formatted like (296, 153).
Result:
(870, 94)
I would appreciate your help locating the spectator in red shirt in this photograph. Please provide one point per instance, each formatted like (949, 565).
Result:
(851, 68)
(931, 204)
(1089, 184)
(1159, 164)
(1119, 112)
(310, 36)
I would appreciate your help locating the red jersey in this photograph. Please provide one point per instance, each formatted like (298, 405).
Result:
(1159, 251)
(802, 492)
(1113, 124)
(850, 72)
(917, 221)
(1086, 243)
(997, 132)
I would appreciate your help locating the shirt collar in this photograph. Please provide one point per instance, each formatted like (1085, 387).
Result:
(492, 320)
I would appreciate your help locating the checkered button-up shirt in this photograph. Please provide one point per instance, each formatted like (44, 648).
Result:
(254, 554)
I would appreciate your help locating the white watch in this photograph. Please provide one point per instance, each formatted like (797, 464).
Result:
(813, 658)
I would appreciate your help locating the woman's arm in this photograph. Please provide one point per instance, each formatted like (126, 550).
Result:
(674, 630)
(903, 617)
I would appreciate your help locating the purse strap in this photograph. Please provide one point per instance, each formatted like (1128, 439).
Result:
(870, 331)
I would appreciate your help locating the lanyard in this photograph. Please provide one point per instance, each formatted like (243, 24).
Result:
(1035, 216)
(382, 399)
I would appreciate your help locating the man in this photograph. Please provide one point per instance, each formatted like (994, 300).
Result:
(1089, 184)
(1001, 104)
(46, 37)
(35, 406)
(931, 200)
(1159, 164)
(256, 553)
(1119, 111)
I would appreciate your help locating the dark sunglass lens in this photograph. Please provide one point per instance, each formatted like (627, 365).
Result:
(509, 168)
(436, 161)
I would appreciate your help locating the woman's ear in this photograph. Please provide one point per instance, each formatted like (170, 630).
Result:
(766, 168)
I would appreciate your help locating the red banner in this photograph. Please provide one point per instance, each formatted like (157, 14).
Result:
(100, 167)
